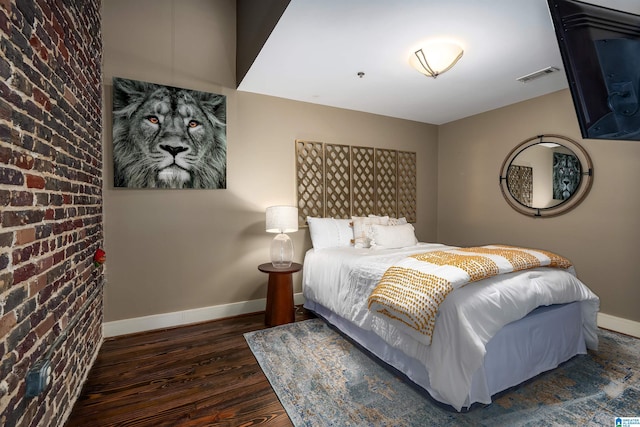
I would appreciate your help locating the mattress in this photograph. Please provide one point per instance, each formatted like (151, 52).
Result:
(464, 364)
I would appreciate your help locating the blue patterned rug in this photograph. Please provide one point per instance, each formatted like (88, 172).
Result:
(322, 379)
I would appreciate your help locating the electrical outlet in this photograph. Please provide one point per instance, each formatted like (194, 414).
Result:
(38, 377)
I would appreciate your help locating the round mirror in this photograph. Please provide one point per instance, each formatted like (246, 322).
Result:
(546, 175)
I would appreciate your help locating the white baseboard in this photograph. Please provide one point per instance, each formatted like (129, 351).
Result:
(618, 324)
(178, 318)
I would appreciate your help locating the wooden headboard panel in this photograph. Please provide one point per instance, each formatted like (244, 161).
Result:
(341, 181)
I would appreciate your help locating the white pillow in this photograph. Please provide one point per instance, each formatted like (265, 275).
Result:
(397, 221)
(362, 228)
(393, 236)
(330, 232)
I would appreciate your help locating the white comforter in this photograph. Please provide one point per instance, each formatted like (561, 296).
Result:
(341, 279)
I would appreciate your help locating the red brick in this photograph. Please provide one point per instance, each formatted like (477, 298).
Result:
(23, 161)
(63, 49)
(21, 255)
(7, 322)
(25, 236)
(37, 285)
(23, 273)
(51, 32)
(41, 98)
(46, 264)
(44, 54)
(44, 7)
(58, 257)
(34, 41)
(69, 96)
(57, 27)
(34, 181)
(45, 326)
(64, 321)
(26, 344)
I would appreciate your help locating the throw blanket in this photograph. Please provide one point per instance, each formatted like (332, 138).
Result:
(411, 291)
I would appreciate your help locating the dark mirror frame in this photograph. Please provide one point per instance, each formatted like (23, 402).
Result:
(586, 168)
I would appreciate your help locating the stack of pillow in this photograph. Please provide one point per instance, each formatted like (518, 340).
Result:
(378, 232)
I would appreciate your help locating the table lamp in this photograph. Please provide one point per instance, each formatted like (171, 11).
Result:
(281, 220)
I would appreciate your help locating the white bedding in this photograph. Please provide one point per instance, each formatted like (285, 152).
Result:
(341, 279)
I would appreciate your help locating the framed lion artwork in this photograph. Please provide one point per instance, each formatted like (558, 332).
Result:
(168, 137)
(566, 175)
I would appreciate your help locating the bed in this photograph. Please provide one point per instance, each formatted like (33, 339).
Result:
(489, 335)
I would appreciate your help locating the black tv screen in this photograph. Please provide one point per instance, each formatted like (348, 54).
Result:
(600, 49)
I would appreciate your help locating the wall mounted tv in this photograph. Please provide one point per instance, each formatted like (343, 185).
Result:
(600, 49)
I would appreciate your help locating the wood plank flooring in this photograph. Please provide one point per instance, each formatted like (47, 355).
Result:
(190, 376)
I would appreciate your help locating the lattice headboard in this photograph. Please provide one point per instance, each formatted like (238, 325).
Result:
(520, 183)
(340, 181)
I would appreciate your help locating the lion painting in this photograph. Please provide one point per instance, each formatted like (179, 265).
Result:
(566, 175)
(167, 137)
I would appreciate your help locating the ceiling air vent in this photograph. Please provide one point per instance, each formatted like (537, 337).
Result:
(537, 74)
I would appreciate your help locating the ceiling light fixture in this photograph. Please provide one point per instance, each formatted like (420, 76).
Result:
(436, 58)
(549, 144)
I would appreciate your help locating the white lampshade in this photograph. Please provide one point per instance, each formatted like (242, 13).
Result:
(436, 57)
(282, 219)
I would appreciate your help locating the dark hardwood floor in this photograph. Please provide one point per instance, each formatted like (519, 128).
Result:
(195, 375)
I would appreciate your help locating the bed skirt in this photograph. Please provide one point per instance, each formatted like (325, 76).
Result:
(545, 338)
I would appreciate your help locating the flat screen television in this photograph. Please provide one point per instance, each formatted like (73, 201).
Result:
(600, 49)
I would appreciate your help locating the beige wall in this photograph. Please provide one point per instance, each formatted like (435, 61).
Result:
(600, 235)
(173, 250)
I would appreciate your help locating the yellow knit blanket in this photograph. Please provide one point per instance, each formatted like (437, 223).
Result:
(411, 291)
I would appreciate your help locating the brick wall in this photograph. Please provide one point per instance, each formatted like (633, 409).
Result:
(50, 200)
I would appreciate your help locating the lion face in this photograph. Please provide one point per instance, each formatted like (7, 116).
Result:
(566, 175)
(168, 137)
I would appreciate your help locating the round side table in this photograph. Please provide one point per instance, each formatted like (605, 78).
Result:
(280, 308)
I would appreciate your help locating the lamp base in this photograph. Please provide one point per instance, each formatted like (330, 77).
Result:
(281, 251)
(283, 264)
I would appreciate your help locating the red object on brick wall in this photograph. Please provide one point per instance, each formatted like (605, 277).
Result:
(99, 258)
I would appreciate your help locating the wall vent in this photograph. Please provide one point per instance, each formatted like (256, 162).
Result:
(537, 74)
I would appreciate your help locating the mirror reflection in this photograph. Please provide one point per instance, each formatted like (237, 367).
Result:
(546, 175)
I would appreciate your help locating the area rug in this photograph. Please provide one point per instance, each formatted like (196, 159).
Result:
(322, 379)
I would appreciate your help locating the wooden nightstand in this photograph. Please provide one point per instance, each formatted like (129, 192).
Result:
(280, 308)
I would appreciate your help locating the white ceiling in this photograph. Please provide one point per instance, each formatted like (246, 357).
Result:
(318, 47)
